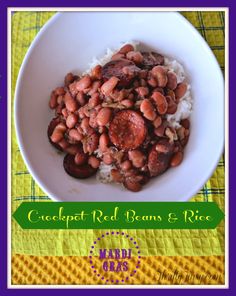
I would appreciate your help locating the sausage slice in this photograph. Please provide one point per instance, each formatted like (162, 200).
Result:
(151, 59)
(83, 171)
(158, 162)
(123, 69)
(127, 130)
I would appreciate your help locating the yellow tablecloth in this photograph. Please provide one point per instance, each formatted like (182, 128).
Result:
(50, 257)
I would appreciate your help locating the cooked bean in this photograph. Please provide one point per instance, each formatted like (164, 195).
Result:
(127, 103)
(71, 120)
(135, 56)
(97, 72)
(60, 100)
(103, 142)
(107, 158)
(137, 158)
(59, 91)
(152, 81)
(81, 98)
(180, 90)
(94, 88)
(160, 74)
(104, 116)
(160, 131)
(83, 83)
(75, 135)
(185, 123)
(94, 162)
(148, 110)
(164, 146)
(157, 122)
(109, 85)
(126, 165)
(177, 159)
(87, 130)
(142, 91)
(116, 176)
(69, 78)
(81, 158)
(58, 133)
(94, 100)
(70, 102)
(172, 80)
(132, 186)
(126, 48)
(172, 106)
(170, 93)
(53, 100)
(160, 102)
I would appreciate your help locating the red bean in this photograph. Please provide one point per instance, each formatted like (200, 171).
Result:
(127, 103)
(58, 133)
(71, 120)
(142, 91)
(132, 186)
(59, 91)
(94, 100)
(160, 75)
(81, 158)
(172, 80)
(107, 158)
(109, 85)
(160, 102)
(83, 83)
(157, 122)
(126, 48)
(135, 56)
(70, 102)
(94, 162)
(69, 78)
(116, 176)
(148, 110)
(81, 98)
(180, 90)
(96, 72)
(185, 123)
(53, 100)
(75, 135)
(104, 116)
(103, 142)
(137, 158)
(177, 159)
(126, 165)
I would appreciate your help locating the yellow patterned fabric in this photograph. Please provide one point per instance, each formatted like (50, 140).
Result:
(160, 270)
(38, 250)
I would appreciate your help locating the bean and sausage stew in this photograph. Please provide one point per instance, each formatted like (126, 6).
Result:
(117, 115)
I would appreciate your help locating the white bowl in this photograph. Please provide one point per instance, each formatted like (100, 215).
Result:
(68, 42)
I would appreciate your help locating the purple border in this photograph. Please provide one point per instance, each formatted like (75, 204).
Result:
(3, 128)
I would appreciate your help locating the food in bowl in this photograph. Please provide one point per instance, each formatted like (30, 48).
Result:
(127, 119)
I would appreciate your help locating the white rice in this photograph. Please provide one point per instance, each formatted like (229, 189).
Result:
(184, 107)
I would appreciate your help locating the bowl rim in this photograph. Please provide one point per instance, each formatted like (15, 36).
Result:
(20, 143)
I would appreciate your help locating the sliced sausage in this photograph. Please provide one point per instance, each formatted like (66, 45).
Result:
(158, 162)
(122, 69)
(77, 171)
(151, 59)
(127, 130)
